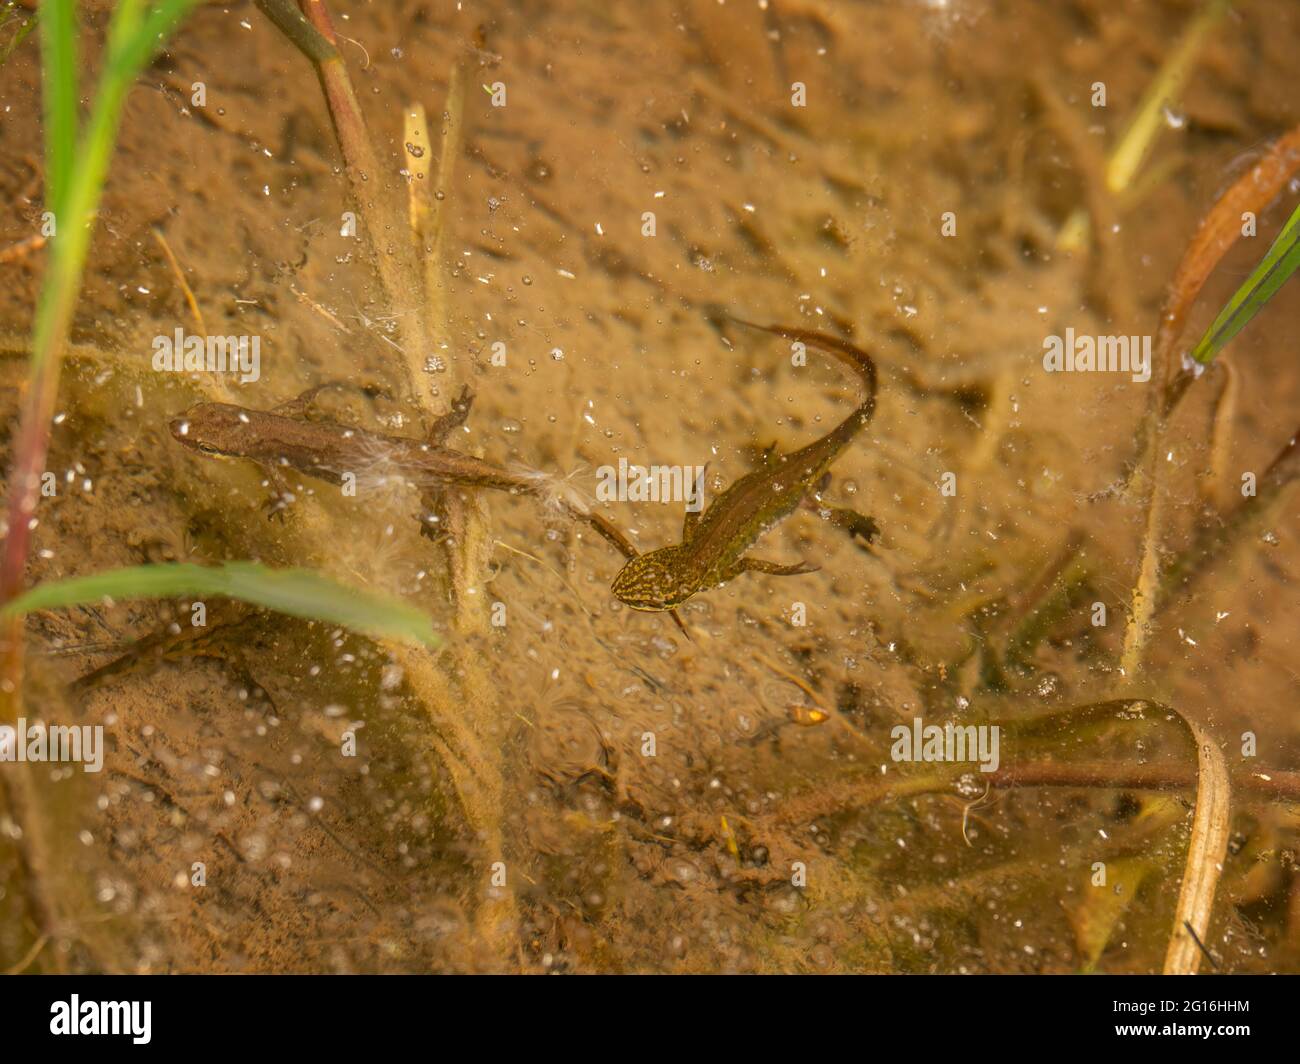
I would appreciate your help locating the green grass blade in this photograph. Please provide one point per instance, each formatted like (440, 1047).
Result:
(74, 194)
(76, 166)
(297, 592)
(59, 67)
(1281, 261)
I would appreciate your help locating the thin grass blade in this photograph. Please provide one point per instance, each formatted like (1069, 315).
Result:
(1277, 266)
(297, 592)
(58, 25)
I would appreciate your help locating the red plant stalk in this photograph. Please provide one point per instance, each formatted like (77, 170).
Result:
(30, 449)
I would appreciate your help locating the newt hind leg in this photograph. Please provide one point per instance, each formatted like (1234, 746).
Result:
(862, 530)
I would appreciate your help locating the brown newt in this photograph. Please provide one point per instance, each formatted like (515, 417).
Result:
(713, 546)
(332, 451)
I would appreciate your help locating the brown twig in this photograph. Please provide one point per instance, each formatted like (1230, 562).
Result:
(179, 274)
(22, 248)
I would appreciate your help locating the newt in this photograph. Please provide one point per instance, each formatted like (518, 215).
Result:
(330, 451)
(714, 543)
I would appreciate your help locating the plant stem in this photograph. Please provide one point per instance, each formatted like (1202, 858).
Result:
(311, 31)
(1133, 146)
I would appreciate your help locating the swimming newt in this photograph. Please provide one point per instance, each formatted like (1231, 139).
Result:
(713, 546)
(332, 451)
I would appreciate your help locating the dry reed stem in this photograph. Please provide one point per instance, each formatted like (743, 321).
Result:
(373, 187)
(476, 774)
(435, 235)
(1205, 855)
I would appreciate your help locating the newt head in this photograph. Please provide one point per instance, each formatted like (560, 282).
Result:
(213, 428)
(654, 580)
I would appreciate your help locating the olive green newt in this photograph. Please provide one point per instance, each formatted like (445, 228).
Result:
(714, 544)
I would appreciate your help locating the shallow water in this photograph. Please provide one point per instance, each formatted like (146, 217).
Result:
(571, 785)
